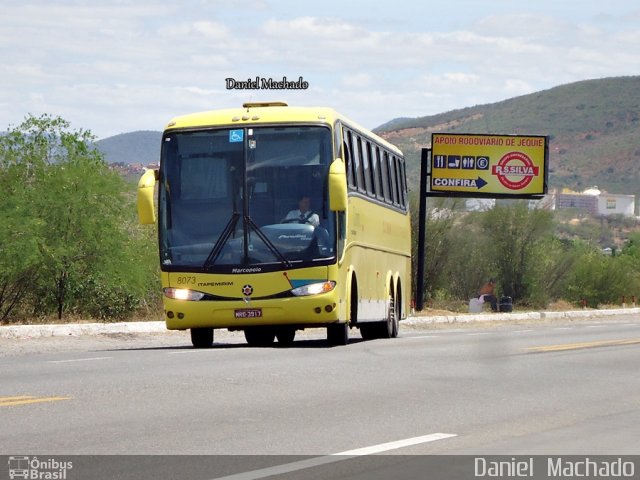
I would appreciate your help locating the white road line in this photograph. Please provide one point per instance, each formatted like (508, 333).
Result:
(336, 457)
(477, 334)
(385, 447)
(563, 328)
(597, 326)
(90, 359)
(523, 331)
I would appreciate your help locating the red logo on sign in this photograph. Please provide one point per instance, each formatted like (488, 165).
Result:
(515, 170)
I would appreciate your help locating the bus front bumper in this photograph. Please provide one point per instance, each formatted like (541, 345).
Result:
(313, 310)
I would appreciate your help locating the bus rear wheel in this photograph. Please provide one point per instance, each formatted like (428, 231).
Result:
(389, 328)
(369, 331)
(202, 337)
(261, 336)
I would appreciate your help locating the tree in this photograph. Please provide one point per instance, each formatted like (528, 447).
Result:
(517, 236)
(440, 233)
(602, 280)
(82, 237)
(22, 153)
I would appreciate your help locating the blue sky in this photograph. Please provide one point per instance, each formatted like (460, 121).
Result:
(115, 66)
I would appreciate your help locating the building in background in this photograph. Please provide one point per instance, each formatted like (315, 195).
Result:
(596, 202)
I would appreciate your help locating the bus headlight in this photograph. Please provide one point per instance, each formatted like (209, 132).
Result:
(183, 294)
(314, 289)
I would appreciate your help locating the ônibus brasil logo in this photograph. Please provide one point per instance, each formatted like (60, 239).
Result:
(515, 170)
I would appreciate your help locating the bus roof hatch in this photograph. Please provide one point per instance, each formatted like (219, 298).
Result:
(264, 104)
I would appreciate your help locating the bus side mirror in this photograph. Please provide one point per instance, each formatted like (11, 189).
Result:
(337, 186)
(146, 185)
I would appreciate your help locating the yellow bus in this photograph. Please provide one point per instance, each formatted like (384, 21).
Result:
(272, 219)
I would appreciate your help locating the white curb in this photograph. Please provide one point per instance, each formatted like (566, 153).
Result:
(76, 329)
(518, 316)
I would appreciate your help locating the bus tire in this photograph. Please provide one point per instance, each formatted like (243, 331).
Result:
(261, 336)
(338, 334)
(397, 307)
(389, 328)
(285, 336)
(369, 331)
(202, 337)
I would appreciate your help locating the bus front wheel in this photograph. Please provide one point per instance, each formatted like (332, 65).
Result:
(202, 337)
(338, 334)
(260, 336)
(285, 336)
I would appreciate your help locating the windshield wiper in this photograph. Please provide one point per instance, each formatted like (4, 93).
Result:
(222, 240)
(249, 221)
(228, 231)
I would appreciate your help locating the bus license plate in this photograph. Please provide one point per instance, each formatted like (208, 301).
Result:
(248, 313)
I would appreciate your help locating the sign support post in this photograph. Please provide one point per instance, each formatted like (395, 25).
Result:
(422, 226)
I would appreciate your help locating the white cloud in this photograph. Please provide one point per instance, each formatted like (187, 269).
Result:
(113, 66)
(357, 80)
(515, 87)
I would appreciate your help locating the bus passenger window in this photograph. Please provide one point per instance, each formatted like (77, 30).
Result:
(386, 187)
(368, 169)
(394, 179)
(403, 183)
(349, 159)
(377, 173)
(357, 156)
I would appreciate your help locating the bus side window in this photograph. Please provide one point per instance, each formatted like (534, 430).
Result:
(394, 179)
(357, 156)
(403, 182)
(399, 180)
(347, 162)
(349, 158)
(365, 149)
(386, 188)
(369, 171)
(377, 173)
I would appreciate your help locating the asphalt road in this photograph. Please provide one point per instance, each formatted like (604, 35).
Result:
(533, 388)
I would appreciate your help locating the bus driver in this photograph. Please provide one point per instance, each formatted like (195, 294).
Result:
(303, 213)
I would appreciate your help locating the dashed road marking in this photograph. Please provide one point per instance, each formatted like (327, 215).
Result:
(583, 345)
(336, 457)
(89, 359)
(28, 399)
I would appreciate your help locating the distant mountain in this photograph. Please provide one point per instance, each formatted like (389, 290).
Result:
(134, 147)
(395, 123)
(593, 125)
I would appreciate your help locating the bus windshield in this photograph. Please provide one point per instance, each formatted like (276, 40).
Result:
(236, 198)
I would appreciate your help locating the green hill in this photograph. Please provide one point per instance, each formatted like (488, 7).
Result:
(593, 125)
(134, 147)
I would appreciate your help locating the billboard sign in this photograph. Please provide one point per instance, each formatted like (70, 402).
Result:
(470, 165)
